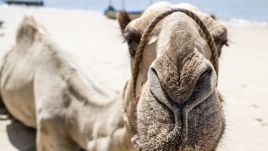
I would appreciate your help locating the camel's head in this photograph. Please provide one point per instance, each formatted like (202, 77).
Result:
(178, 106)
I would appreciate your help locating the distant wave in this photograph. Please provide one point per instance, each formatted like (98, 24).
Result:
(244, 22)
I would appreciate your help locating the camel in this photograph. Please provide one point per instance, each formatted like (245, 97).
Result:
(70, 112)
(173, 105)
(174, 79)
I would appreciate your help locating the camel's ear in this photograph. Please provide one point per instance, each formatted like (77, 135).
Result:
(221, 36)
(123, 20)
(219, 33)
(221, 39)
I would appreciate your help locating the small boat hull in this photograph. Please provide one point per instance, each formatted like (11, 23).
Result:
(25, 2)
(113, 14)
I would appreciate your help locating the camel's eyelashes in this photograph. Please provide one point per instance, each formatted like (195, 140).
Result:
(226, 43)
(221, 40)
(132, 38)
(221, 44)
(131, 34)
(131, 46)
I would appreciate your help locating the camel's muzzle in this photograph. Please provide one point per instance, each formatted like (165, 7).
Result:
(202, 90)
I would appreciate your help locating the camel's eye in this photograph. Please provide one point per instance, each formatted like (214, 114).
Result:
(132, 38)
(130, 41)
(131, 46)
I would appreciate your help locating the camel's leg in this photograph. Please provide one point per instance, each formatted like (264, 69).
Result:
(52, 135)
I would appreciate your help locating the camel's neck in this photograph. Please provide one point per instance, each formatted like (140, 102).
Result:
(95, 116)
(99, 122)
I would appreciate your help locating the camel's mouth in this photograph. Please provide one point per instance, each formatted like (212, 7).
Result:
(195, 123)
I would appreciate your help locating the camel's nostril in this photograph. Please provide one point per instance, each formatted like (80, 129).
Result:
(156, 88)
(206, 80)
(203, 89)
(152, 69)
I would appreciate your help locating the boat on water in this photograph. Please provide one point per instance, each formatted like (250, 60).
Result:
(25, 2)
(111, 13)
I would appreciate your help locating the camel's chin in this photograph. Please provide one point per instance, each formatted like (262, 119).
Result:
(157, 129)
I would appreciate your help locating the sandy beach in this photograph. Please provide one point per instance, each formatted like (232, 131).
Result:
(95, 44)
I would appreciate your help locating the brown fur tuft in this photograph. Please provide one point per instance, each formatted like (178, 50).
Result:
(213, 16)
(123, 20)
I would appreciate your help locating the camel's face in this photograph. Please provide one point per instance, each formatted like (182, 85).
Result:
(179, 107)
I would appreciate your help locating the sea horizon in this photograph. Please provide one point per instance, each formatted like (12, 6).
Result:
(238, 12)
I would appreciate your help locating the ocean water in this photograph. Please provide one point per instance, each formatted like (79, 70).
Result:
(240, 10)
